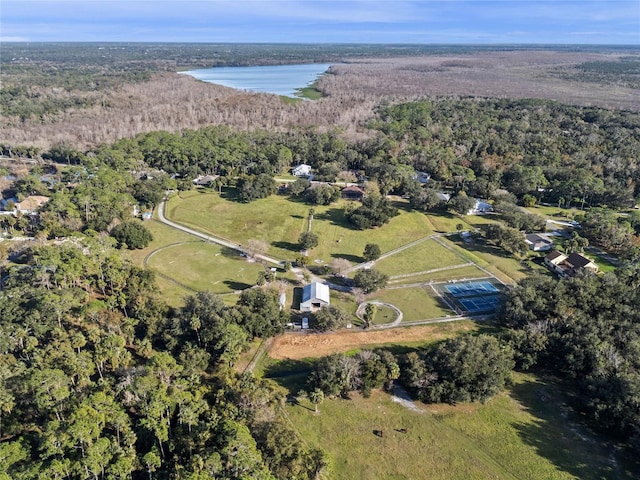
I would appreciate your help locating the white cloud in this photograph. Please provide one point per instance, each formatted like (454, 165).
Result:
(13, 39)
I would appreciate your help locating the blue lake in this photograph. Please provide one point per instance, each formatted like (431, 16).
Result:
(279, 79)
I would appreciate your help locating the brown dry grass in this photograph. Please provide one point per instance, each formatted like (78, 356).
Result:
(296, 346)
(173, 102)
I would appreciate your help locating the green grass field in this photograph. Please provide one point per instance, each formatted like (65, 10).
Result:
(204, 266)
(452, 274)
(507, 268)
(417, 303)
(554, 212)
(427, 255)
(524, 433)
(280, 221)
(384, 315)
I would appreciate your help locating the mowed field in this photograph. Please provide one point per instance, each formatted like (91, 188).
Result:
(205, 266)
(416, 303)
(280, 221)
(524, 433)
(427, 255)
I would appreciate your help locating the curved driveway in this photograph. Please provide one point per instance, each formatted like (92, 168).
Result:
(395, 323)
(209, 238)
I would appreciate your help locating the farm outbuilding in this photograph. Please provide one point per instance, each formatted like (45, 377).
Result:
(315, 296)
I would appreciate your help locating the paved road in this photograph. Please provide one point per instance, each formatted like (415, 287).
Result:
(210, 238)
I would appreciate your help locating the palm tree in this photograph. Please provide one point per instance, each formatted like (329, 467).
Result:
(316, 396)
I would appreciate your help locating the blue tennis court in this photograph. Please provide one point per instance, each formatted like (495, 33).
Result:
(471, 288)
(480, 304)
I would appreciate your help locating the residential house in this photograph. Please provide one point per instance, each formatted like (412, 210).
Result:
(301, 170)
(569, 265)
(314, 296)
(205, 180)
(537, 242)
(480, 207)
(31, 204)
(352, 193)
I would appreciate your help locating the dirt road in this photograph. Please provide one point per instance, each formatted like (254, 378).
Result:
(300, 345)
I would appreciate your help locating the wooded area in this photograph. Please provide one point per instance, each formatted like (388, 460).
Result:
(92, 94)
(100, 379)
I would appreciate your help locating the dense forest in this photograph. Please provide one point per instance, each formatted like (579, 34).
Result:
(100, 379)
(586, 331)
(569, 156)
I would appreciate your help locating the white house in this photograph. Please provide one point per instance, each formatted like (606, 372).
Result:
(480, 207)
(537, 242)
(302, 170)
(314, 296)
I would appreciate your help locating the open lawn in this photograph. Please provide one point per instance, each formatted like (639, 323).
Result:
(554, 212)
(163, 235)
(418, 303)
(444, 222)
(346, 302)
(280, 221)
(524, 433)
(427, 255)
(504, 266)
(450, 274)
(384, 315)
(204, 266)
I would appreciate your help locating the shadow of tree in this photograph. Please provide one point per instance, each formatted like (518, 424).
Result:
(293, 247)
(559, 435)
(335, 216)
(230, 253)
(290, 374)
(347, 256)
(233, 285)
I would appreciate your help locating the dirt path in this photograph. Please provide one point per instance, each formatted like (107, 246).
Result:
(210, 238)
(395, 323)
(297, 346)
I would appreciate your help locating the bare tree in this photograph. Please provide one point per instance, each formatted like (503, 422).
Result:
(256, 247)
(339, 266)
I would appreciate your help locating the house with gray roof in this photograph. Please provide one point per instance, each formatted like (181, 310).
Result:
(537, 242)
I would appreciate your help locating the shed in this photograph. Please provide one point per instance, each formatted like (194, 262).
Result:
(314, 296)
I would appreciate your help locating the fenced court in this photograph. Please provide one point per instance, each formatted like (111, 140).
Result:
(473, 297)
(471, 289)
(480, 304)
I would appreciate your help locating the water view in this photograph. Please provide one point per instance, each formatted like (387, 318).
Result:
(279, 79)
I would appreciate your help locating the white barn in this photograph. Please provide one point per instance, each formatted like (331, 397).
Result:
(315, 296)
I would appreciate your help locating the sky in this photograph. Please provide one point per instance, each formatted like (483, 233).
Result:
(323, 21)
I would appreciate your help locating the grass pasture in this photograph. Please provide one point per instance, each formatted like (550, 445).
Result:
(460, 273)
(416, 303)
(205, 266)
(280, 221)
(524, 433)
(427, 255)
